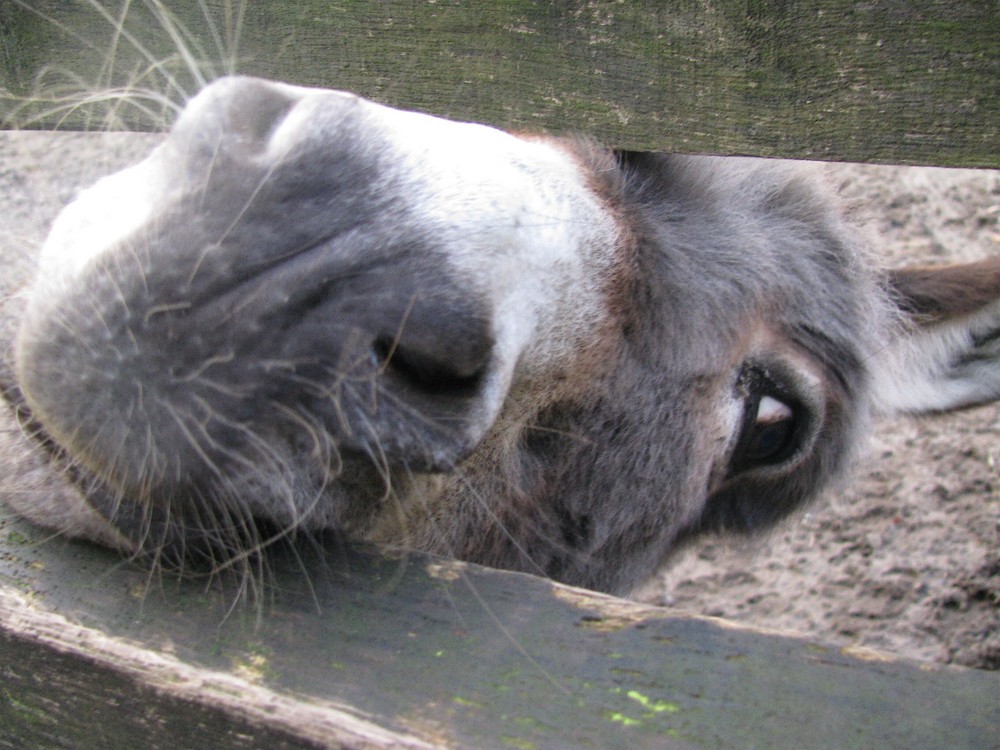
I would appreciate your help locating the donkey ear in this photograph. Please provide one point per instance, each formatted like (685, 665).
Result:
(947, 355)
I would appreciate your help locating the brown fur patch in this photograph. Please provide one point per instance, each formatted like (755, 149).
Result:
(605, 178)
(933, 294)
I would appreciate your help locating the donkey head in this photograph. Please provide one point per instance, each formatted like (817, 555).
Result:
(306, 311)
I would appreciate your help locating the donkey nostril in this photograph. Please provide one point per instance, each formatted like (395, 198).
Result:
(425, 371)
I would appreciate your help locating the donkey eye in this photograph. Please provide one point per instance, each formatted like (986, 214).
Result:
(772, 422)
(771, 436)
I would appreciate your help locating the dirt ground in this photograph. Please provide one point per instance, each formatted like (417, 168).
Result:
(905, 558)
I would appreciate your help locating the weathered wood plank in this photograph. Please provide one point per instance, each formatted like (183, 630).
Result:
(346, 649)
(833, 79)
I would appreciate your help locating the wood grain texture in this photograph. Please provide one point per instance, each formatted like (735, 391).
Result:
(352, 649)
(894, 81)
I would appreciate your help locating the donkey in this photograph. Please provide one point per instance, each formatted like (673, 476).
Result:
(307, 312)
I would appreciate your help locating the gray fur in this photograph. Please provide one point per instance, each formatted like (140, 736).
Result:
(287, 346)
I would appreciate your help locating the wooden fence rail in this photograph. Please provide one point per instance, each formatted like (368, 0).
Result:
(903, 81)
(360, 651)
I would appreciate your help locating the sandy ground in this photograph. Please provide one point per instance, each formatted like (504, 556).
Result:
(905, 559)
